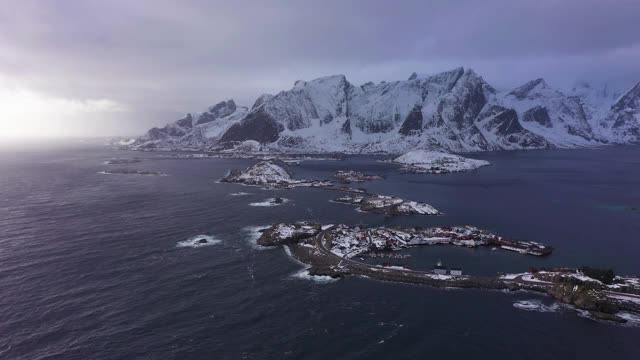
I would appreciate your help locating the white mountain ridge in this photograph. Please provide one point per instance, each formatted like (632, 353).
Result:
(451, 111)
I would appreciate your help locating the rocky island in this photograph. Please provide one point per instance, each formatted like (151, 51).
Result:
(389, 205)
(270, 174)
(349, 176)
(122, 161)
(332, 250)
(434, 162)
(131, 172)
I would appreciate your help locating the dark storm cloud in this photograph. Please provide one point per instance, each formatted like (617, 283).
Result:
(160, 57)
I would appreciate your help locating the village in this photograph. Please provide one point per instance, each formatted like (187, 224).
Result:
(351, 241)
(340, 250)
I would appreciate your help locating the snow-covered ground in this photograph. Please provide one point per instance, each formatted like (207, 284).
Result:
(390, 205)
(626, 298)
(270, 175)
(355, 176)
(414, 207)
(264, 172)
(423, 161)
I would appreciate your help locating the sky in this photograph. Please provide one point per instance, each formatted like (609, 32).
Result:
(103, 68)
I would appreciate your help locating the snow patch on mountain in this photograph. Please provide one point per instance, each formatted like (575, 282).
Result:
(454, 111)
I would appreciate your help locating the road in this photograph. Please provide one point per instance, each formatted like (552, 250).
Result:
(321, 241)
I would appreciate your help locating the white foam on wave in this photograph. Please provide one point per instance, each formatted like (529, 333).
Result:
(240, 193)
(269, 202)
(304, 275)
(254, 233)
(198, 241)
(632, 319)
(536, 305)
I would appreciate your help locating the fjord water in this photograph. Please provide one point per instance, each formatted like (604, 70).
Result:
(90, 267)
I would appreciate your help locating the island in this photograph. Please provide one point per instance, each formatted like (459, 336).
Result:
(339, 250)
(122, 161)
(268, 173)
(271, 175)
(388, 205)
(131, 172)
(435, 162)
(349, 176)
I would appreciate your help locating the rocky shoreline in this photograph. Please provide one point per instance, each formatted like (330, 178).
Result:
(314, 245)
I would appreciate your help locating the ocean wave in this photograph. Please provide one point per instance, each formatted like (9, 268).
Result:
(536, 305)
(269, 202)
(253, 236)
(633, 320)
(240, 193)
(304, 275)
(198, 241)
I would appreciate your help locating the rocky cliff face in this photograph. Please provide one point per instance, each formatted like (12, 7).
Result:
(622, 124)
(547, 112)
(220, 110)
(453, 111)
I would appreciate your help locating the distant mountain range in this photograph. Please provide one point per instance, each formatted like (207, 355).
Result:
(453, 111)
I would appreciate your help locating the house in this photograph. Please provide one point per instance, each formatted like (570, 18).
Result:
(440, 269)
(456, 272)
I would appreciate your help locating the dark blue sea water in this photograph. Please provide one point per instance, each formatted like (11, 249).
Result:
(89, 267)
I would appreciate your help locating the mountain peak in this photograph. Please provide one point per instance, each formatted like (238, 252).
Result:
(523, 91)
(456, 110)
(223, 108)
(330, 78)
(262, 99)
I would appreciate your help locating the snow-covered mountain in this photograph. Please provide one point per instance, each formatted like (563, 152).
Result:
(453, 111)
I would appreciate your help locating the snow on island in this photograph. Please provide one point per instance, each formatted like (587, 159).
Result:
(434, 162)
(269, 173)
(348, 176)
(264, 172)
(282, 234)
(389, 205)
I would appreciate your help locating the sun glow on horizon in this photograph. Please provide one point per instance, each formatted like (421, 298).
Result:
(27, 113)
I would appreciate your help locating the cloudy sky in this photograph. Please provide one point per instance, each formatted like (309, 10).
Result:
(89, 68)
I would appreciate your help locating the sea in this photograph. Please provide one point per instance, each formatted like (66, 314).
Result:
(98, 266)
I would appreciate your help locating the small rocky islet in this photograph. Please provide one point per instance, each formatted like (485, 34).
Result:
(269, 174)
(131, 172)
